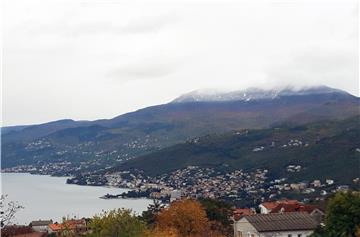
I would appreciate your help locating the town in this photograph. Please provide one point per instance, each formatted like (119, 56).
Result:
(238, 187)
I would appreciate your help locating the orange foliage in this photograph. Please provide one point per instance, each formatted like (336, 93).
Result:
(187, 217)
(162, 233)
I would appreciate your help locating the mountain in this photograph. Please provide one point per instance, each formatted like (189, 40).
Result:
(110, 141)
(325, 150)
(31, 132)
(252, 94)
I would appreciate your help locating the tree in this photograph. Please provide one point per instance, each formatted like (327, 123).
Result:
(343, 215)
(186, 217)
(117, 223)
(8, 210)
(150, 214)
(156, 232)
(218, 213)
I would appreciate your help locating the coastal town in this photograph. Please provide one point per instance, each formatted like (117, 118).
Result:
(241, 188)
(283, 216)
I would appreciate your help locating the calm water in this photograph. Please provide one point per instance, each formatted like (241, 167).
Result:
(46, 197)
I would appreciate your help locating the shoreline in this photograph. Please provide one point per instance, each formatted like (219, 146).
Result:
(41, 198)
(104, 186)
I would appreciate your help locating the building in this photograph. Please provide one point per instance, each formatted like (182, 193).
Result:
(41, 225)
(241, 212)
(74, 226)
(175, 195)
(20, 231)
(266, 207)
(314, 211)
(292, 224)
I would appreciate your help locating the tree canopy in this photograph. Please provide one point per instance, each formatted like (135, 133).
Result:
(187, 217)
(342, 217)
(117, 223)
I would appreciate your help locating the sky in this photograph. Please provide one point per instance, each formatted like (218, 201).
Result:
(92, 59)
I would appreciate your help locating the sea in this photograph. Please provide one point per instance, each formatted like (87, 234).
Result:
(44, 197)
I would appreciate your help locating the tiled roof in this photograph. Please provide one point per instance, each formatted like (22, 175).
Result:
(269, 205)
(69, 224)
(285, 207)
(240, 212)
(272, 205)
(282, 222)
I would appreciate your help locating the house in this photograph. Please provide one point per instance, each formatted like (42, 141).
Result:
(74, 226)
(241, 212)
(40, 225)
(314, 211)
(175, 195)
(20, 231)
(266, 207)
(292, 224)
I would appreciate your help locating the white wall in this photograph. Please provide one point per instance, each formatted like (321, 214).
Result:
(263, 210)
(245, 227)
(40, 228)
(286, 234)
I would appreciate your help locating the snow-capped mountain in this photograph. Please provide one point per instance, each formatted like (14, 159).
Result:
(251, 94)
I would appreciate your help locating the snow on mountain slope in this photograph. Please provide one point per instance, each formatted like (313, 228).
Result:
(251, 94)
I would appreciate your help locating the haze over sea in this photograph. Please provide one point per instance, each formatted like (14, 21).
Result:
(46, 197)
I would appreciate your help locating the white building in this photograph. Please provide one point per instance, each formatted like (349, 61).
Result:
(175, 195)
(40, 225)
(293, 224)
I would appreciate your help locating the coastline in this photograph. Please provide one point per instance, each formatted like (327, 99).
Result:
(121, 195)
(47, 198)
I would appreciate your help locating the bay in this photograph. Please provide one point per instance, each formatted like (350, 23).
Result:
(45, 197)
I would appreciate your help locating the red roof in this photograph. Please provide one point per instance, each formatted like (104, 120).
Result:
(240, 212)
(70, 224)
(272, 205)
(293, 207)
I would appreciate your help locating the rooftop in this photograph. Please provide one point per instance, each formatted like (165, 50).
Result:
(296, 207)
(282, 221)
(41, 223)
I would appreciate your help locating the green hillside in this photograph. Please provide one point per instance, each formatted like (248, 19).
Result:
(322, 149)
(68, 147)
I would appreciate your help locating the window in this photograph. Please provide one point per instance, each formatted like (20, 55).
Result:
(239, 234)
(299, 235)
(289, 235)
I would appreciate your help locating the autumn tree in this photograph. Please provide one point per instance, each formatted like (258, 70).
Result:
(117, 223)
(157, 232)
(186, 217)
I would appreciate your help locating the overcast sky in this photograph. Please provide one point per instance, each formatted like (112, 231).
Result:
(90, 59)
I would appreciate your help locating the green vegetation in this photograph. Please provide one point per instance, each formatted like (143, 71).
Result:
(185, 218)
(117, 223)
(342, 216)
(218, 213)
(147, 130)
(328, 150)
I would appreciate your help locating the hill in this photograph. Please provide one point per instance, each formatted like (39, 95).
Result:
(107, 142)
(323, 150)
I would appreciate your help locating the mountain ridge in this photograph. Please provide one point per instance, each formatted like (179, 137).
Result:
(251, 93)
(149, 129)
